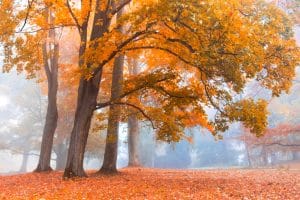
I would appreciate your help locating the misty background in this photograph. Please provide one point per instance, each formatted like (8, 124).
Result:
(22, 115)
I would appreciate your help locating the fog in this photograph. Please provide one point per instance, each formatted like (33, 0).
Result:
(22, 116)
(22, 113)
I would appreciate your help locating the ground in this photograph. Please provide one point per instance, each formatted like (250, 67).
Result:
(140, 183)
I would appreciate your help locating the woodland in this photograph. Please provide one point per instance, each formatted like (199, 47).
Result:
(194, 97)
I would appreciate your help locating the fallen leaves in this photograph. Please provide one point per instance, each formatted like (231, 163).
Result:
(140, 183)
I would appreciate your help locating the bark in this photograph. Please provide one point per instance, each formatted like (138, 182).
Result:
(133, 138)
(111, 147)
(49, 130)
(133, 126)
(247, 152)
(86, 103)
(23, 167)
(51, 69)
(248, 156)
(86, 100)
(265, 157)
(61, 156)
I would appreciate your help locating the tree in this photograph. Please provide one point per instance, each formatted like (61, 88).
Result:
(283, 138)
(28, 50)
(111, 148)
(50, 61)
(133, 124)
(23, 119)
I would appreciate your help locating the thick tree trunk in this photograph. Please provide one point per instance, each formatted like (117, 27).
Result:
(86, 104)
(23, 167)
(51, 69)
(87, 97)
(133, 138)
(111, 148)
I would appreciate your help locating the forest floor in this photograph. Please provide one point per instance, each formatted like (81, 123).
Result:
(140, 183)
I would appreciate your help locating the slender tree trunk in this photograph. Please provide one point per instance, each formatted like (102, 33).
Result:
(111, 147)
(61, 156)
(86, 103)
(133, 125)
(49, 130)
(248, 156)
(248, 153)
(51, 69)
(265, 157)
(133, 138)
(23, 167)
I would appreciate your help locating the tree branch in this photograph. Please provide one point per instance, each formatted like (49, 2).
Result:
(121, 46)
(73, 16)
(168, 51)
(278, 143)
(46, 29)
(27, 14)
(131, 105)
(119, 7)
(145, 85)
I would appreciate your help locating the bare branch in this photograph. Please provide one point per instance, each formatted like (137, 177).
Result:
(139, 109)
(168, 51)
(278, 143)
(125, 94)
(121, 46)
(210, 98)
(73, 16)
(120, 6)
(46, 29)
(27, 14)
(172, 94)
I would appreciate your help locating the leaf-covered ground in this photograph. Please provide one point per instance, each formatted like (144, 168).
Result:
(137, 183)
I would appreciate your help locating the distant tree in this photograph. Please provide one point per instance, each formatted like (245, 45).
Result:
(282, 139)
(20, 133)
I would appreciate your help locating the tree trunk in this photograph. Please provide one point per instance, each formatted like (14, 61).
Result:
(51, 70)
(133, 138)
(86, 104)
(87, 97)
(248, 156)
(111, 147)
(48, 133)
(61, 156)
(23, 167)
(133, 125)
(265, 157)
